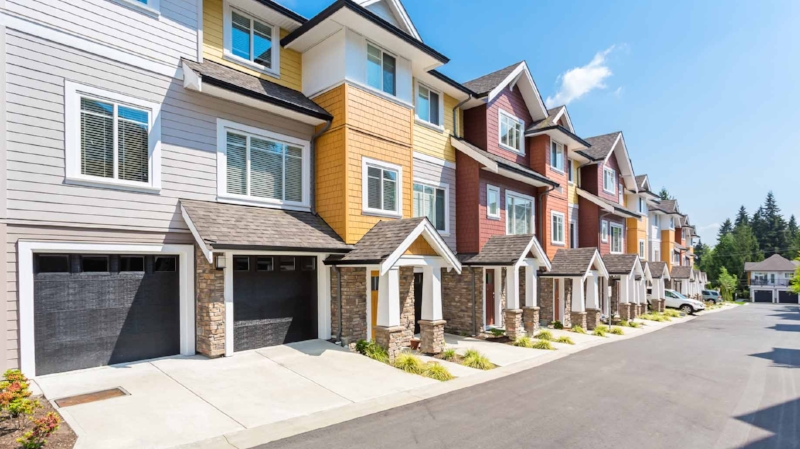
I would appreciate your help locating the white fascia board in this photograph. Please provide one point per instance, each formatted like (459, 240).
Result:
(588, 196)
(561, 137)
(537, 250)
(425, 229)
(225, 94)
(601, 267)
(626, 160)
(521, 73)
(191, 79)
(524, 179)
(203, 247)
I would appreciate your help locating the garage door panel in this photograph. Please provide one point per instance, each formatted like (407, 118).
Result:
(763, 295)
(786, 297)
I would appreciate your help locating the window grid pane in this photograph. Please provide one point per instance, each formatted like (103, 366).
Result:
(389, 68)
(97, 138)
(423, 104)
(240, 36)
(132, 137)
(434, 115)
(262, 44)
(266, 169)
(374, 77)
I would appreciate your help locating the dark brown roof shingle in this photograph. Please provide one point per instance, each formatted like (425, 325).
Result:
(657, 269)
(484, 84)
(571, 262)
(501, 250)
(620, 263)
(601, 146)
(681, 272)
(776, 262)
(381, 241)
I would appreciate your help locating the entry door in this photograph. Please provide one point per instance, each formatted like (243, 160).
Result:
(489, 297)
(374, 282)
(417, 301)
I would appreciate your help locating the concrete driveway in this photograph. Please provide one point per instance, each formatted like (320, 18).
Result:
(179, 400)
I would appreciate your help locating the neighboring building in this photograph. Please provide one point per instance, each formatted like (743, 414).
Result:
(769, 279)
(641, 233)
(668, 217)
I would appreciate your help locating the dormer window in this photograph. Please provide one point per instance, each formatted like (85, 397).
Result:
(250, 41)
(381, 70)
(511, 137)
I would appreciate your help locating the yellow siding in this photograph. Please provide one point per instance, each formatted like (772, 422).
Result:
(667, 242)
(291, 73)
(572, 194)
(637, 229)
(437, 143)
(420, 247)
(331, 155)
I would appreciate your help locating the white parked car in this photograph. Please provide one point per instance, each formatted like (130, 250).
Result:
(686, 305)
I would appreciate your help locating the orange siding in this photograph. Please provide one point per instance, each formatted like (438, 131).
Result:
(420, 247)
(331, 151)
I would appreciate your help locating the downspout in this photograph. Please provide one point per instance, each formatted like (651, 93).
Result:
(313, 150)
(339, 298)
(541, 210)
(455, 115)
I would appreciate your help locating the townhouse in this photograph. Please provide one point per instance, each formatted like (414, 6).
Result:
(769, 280)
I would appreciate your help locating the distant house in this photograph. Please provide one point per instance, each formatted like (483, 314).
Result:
(769, 280)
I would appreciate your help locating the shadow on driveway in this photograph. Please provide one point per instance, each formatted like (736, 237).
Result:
(780, 420)
(781, 357)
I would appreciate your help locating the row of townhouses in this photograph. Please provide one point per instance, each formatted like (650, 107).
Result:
(213, 176)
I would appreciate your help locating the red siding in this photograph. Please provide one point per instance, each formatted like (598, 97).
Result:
(490, 227)
(475, 126)
(588, 223)
(512, 103)
(468, 204)
(592, 179)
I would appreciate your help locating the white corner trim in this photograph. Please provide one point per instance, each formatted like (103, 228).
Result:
(434, 160)
(27, 249)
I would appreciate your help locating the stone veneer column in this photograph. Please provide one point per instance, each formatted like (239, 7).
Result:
(459, 304)
(546, 297)
(578, 319)
(392, 339)
(530, 319)
(513, 323)
(592, 318)
(431, 335)
(662, 305)
(210, 307)
(613, 306)
(567, 321)
(625, 311)
(354, 305)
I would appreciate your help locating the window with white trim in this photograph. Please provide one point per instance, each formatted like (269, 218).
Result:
(519, 214)
(557, 156)
(251, 41)
(511, 132)
(671, 222)
(642, 252)
(381, 70)
(604, 231)
(256, 166)
(492, 202)
(429, 105)
(657, 256)
(616, 238)
(609, 180)
(381, 187)
(642, 207)
(657, 219)
(431, 201)
(112, 139)
(621, 194)
(557, 228)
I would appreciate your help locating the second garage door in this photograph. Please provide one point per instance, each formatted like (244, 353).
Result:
(763, 296)
(786, 297)
(275, 300)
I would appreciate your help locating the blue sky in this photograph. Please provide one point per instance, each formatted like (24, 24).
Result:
(707, 93)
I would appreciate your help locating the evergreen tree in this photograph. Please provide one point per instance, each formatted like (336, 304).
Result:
(758, 224)
(774, 238)
(725, 229)
(664, 194)
(702, 255)
(791, 228)
(794, 247)
(747, 250)
(742, 218)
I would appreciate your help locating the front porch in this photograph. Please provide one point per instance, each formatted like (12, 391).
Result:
(578, 280)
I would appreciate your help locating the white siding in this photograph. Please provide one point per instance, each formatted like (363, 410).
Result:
(439, 174)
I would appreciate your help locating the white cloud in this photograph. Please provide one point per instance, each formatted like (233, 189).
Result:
(579, 81)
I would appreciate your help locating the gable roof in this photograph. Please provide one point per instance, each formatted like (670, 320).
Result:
(502, 166)
(642, 183)
(487, 87)
(669, 207)
(608, 206)
(576, 262)
(602, 145)
(602, 148)
(399, 12)
(549, 125)
(681, 272)
(621, 264)
(486, 83)
(508, 250)
(658, 270)
(775, 262)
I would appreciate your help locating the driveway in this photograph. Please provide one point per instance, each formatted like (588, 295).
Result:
(723, 380)
(179, 400)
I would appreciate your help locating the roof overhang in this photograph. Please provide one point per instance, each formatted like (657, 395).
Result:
(519, 77)
(595, 264)
(271, 12)
(443, 83)
(562, 135)
(623, 159)
(507, 170)
(607, 206)
(646, 271)
(425, 230)
(535, 248)
(366, 23)
(399, 11)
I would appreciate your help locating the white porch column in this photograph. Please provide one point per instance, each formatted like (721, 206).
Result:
(512, 288)
(592, 299)
(431, 293)
(531, 299)
(578, 301)
(643, 291)
(389, 298)
(624, 288)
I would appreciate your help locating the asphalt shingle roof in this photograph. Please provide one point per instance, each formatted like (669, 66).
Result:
(227, 226)
(776, 262)
(509, 165)
(640, 179)
(657, 269)
(253, 86)
(668, 206)
(501, 250)
(601, 146)
(548, 122)
(681, 272)
(571, 262)
(619, 263)
(484, 84)
(381, 241)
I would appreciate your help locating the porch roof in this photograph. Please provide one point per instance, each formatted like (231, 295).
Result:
(576, 262)
(219, 226)
(506, 250)
(622, 264)
(658, 270)
(681, 272)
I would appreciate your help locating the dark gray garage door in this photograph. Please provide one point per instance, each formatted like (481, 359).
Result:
(94, 310)
(763, 296)
(275, 300)
(785, 297)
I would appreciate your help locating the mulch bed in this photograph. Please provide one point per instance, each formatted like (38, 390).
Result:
(63, 438)
(501, 339)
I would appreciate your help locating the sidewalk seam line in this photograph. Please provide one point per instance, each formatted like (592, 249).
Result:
(304, 377)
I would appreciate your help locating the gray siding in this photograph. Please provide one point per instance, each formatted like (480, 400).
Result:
(163, 38)
(439, 174)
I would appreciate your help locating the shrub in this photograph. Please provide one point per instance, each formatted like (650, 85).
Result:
(654, 317)
(524, 342)
(672, 313)
(475, 359)
(558, 325)
(361, 347)
(545, 335)
(617, 331)
(543, 344)
(409, 363)
(496, 332)
(565, 340)
(437, 371)
(14, 375)
(600, 331)
(634, 324)
(578, 330)
(449, 354)
(42, 428)
(372, 350)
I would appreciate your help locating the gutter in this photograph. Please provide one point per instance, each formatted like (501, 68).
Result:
(313, 180)
(455, 114)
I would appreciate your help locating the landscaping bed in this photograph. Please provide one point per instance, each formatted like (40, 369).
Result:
(63, 438)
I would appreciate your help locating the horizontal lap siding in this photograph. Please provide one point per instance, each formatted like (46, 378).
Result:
(36, 72)
(439, 174)
(511, 102)
(164, 38)
(436, 143)
(490, 227)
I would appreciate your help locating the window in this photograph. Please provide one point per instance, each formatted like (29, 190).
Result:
(56, 263)
(616, 238)
(657, 219)
(265, 264)
(642, 207)
(429, 106)
(511, 137)
(94, 264)
(381, 70)
(431, 202)
(658, 255)
(241, 263)
(557, 228)
(287, 263)
(111, 139)
(492, 202)
(604, 231)
(519, 214)
(573, 234)
(570, 171)
(131, 263)
(165, 263)
(259, 167)
(381, 188)
(621, 195)
(557, 156)
(249, 41)
(308, 263)
(671, 223)
(641, 249)
(609, 180)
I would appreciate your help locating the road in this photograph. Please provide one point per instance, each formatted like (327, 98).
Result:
(727, 379)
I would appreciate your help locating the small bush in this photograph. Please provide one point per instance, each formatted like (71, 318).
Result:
(558, 325)
(524, 342)
(545, 335)
(42, 428)
(672, 313)
(409, 363)
(600, 331)
(437, 372)
(617, 331)
(578, 330)
(474, 359)
(565, 340)
(543, 344)
(624, 323)
(361, 347)
(449, 354)
(497, 332)
(654, 317)
(634, 324)
(372, 350)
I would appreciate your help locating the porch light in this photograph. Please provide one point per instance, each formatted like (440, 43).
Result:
(219, 262)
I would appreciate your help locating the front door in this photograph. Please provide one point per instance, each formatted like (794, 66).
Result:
(374, 282)
(490, 297)
(417, 301)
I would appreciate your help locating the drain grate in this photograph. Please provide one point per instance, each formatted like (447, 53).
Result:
(91, 397)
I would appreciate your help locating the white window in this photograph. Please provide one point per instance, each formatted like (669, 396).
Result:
(251, 41)
(657, 257)
(557, 228)
(148, 6)
(381, 70)
(111, 139)
(671, 223)
(642, 250)
(492, 202)
(570, 171)
(573, 233)
(519, 213)
(258, 167)
(604, 231)
(621, 195)
(657, 219)
(381, 188)
(616, 238)
(430, 105)
(557, 156)
(511, 132)
(431, 201)
(609, 180)
(642, 206)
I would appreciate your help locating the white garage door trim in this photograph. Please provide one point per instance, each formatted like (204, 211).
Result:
(26, 251)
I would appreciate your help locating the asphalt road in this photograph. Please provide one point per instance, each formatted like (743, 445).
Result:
(727, 379)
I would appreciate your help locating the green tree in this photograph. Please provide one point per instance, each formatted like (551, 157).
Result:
(742, 218)
(794, 284)
(794, 247)
(747, 250)
(701, 253)
(664, 194)
(774, 239)
(727, 284)
(725, 229)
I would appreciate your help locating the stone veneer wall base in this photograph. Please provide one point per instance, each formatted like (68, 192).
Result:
(530, 319)
(513, 323)
(592, 318)
(391, 339)
(625, 311)
(578, 319)
(431, 335)
(210, 307)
